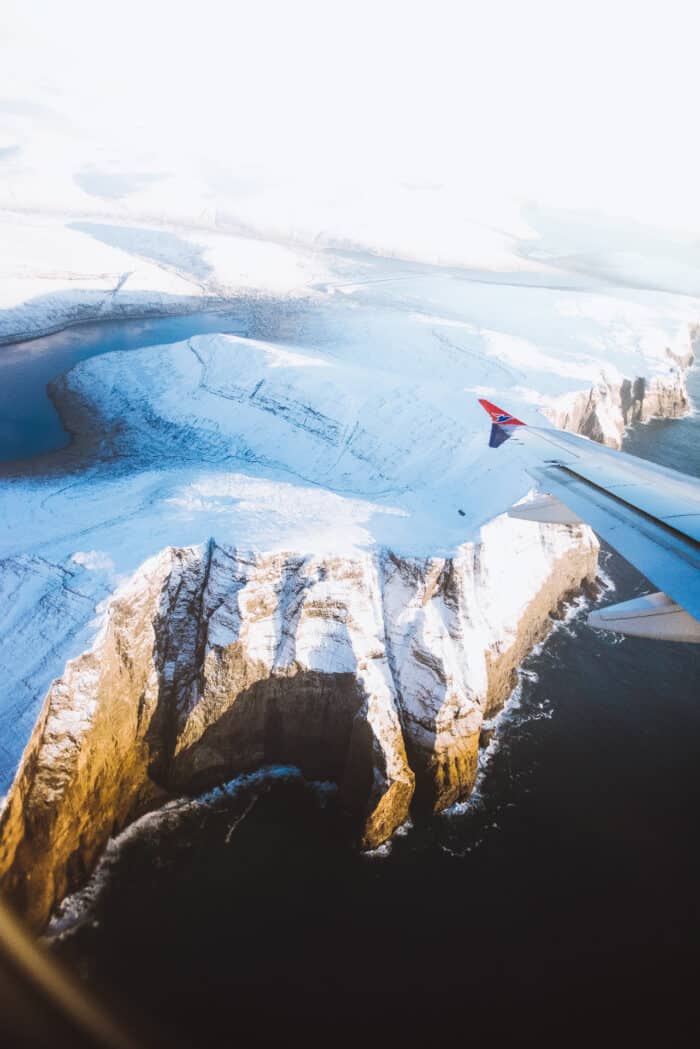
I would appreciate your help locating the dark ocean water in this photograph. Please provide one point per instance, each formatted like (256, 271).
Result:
(568, 885)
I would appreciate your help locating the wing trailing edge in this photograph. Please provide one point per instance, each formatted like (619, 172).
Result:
(545, 509)
(653, 616)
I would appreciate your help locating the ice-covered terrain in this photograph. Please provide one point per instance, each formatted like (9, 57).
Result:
(345, 421)
(288, 544)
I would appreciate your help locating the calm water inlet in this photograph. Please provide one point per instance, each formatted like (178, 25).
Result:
(29, 423)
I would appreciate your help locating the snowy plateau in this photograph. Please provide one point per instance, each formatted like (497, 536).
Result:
(290, 544)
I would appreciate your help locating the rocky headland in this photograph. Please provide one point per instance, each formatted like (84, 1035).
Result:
(361, 608)
(373, 672)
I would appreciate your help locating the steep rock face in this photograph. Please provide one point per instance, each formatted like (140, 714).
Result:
(603, 412)
(85, 768)
(211, 662)
(456, 631)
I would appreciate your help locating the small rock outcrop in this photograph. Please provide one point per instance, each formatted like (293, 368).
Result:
(605, 410)
(373, 671)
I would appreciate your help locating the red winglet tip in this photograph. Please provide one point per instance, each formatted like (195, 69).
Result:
(498, 415)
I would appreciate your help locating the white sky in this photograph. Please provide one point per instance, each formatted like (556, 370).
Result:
(570, 103)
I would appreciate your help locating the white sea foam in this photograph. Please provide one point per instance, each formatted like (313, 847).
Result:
(384, 850)
(404, 829)
(380, 853)
(605, 581)
(514, 713)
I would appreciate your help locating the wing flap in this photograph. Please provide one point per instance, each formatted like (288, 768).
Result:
(654, 615)
(544, 509)
(663, 494)
(666, 556)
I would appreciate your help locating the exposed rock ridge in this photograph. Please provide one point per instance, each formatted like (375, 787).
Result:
(373, 671)
(605, 410)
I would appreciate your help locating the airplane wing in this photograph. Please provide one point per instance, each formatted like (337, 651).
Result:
(650, 514)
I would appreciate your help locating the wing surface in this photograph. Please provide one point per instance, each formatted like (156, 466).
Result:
(649, 513)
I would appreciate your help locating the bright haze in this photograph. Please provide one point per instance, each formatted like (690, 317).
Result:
(425, 113)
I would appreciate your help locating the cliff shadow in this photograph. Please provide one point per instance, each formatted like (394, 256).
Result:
(307, 719)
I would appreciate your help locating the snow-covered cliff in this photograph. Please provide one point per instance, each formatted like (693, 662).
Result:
(605, 411)
(374, 671)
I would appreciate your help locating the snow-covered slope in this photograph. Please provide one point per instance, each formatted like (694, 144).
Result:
(352, 426)
(55, 271)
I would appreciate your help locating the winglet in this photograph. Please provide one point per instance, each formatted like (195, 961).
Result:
(498, 416)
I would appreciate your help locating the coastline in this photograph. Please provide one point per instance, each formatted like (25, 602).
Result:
(451, 759)
(603, 412)
(218, 305)
(78, 420)
(116, 737)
